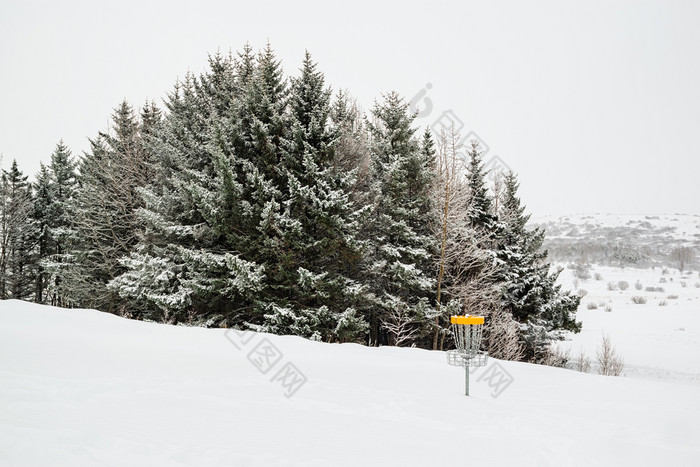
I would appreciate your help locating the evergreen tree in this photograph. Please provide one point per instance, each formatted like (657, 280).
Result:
(246, 221)
(316, 250)
(479, 205)
(529, 291)
(188, 263)
(399, 251)
(42, 203)
(55, 188)
(151, 117)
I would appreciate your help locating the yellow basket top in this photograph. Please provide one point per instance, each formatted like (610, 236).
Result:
(467, 319)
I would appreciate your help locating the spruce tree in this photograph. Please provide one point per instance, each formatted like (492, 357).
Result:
(479, 206)
(317, 253)
(188, 263)
(400, 252)
(529, 291)
(42, 202)
(55, 187)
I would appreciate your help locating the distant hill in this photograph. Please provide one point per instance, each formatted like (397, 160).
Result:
(621, 239)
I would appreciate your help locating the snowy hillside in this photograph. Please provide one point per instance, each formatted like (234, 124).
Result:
(80, 387)
(618, 239)
(676, 226)
(651, 315)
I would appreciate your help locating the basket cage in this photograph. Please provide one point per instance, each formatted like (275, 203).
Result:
(467, 338)
(467, 333)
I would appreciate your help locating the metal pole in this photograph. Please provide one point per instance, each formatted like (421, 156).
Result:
(466, 380)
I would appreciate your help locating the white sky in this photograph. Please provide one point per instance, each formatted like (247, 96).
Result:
(595, 104)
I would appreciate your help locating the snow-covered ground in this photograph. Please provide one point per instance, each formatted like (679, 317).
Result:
(656, 341)
(84, 388)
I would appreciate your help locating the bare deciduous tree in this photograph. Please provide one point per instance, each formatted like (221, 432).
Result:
(15, 228)
(466, 272)
(504, 336)
(104, 212)
(401, 325)
(351, 148)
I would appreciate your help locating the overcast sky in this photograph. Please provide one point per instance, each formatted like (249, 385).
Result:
(596, 105)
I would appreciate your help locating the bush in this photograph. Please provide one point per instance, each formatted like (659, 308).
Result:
(639, 300)
(583, 363)
(623, 285)
(612, 286)
(582, 292)
(598, 276)
(592, 306)
(664, 271)
(608, 308)
(672, 297)
(663, 303)
(609, 363)
(697, 285)
(554, 356)
(638, 285)
(662, 280)
(684, 284)
(655, 289)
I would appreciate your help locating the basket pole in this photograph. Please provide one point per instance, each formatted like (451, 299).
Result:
(466, 380)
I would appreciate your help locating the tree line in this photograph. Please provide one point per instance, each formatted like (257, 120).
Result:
(266, 202)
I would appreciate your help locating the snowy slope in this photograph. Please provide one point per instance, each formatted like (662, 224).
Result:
(80, 387)
(658, 339)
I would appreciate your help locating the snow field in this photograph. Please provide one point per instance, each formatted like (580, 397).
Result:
(80, 387)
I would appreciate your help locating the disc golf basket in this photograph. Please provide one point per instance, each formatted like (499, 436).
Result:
(466, 331)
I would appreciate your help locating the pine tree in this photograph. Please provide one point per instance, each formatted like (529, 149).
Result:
(529, 291)
(151, 116)
(55, 187)
(42, 202)
(399, 251)
(249, 143)
(479, 205)
(247, 222)
(316, 250)
(188, 263)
